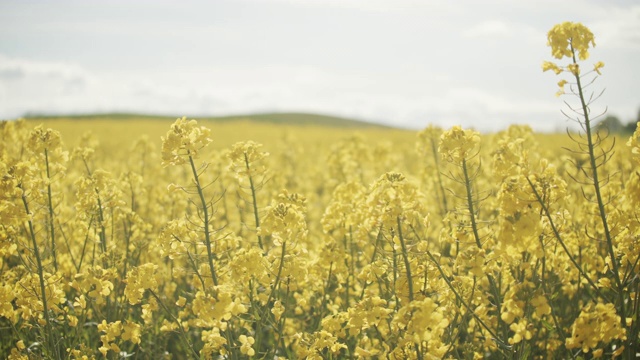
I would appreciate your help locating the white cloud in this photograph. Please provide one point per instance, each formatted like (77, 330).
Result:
(372, 5)
(619, 28)
(410, 101)
(405, 62)
(11, 69)
(35, 86)
(489, 29)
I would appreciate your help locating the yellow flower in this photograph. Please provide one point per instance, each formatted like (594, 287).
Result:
(246, 159)
(41, 140)
(140, 279)
(72, 320)
(548, 65)
(561, 85)
(213, 342)
(184, 140)
(541, 306)
(285, 219)
(567, 38)
(457, 144)
(571, 40)
(596, 325)
(597, 66)
(365, 354)
(574, 69)
(148, 309)
(80, 302)
(111, 332)
(131, 331)
(521, 332)
(634, 144)
(246, 342)
(277, 310)
(6, 298)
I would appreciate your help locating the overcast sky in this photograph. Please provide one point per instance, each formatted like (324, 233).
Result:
(400, 62)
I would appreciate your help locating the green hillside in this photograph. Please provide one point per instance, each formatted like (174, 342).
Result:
(277, 118)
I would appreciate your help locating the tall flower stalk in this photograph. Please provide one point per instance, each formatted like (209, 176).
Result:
(182, 145)
(573, 41)
(246, 159)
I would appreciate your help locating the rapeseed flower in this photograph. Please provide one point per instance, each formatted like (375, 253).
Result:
(246, 343)
(140, 279)
(457, 144)
(568, 38)
(185, 139)
(596, 325)
(573, 41)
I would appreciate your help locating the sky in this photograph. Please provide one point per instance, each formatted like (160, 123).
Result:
(406, 63)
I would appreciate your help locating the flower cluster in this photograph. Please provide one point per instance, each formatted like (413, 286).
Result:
(185, 139)
(597, 324)
(457, 144)
(570, 40)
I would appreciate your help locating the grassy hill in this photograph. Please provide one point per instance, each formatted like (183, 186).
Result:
(276, 118)
(120, 130)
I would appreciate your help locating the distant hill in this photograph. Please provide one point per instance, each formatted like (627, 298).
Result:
(278, 118)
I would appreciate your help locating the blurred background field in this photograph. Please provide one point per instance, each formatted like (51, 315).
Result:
(123, 129)
(119, 131)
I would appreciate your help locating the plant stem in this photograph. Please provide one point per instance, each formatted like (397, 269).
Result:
(452, 288)
(45, 309)
(255, 201)
(601, 207)
(557, 235)
(596, 186)
(407, 266)
(467, 185)
(50, 205)
(205, 215)
(436, 156)
(280, 267)
(495, 290)
(405, 257)
(194, 354)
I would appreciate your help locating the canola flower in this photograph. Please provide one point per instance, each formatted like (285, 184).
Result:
(467, 245)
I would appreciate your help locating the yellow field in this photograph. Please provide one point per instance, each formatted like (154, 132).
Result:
(323, 243)
(123, 132)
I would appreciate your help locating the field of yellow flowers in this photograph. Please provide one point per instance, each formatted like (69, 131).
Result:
(195, 240)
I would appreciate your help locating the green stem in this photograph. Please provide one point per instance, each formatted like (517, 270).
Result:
(436, 156)
(472, 214)
(281, 322)
(373, 258)
(405, 257)
(461, 300)
(193, 353)
(280, 267)
(103, 231)
(84, 245)
(543, 283)
(51, 219)
(557, 235)
(395, 274)
(318, 319)
(346, 263)
(601, 207)
(495, 290)
(255, 201)
(45, 309)
(596, 186)
(205, 215)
